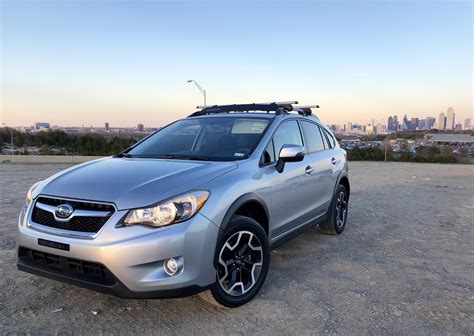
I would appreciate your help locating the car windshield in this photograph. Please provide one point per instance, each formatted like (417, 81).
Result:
(209, 139)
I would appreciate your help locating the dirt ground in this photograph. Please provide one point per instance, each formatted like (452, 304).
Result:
(404, 265)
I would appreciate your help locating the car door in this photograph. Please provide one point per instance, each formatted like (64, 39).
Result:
(289, 190)
(334, 154)
(320, 151)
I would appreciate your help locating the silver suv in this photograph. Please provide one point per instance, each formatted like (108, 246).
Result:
(195, 207)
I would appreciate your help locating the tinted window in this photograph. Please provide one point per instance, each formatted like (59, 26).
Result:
(288, 133)
(328, 139)
(204, 138)
(312, 137)
(268, 155)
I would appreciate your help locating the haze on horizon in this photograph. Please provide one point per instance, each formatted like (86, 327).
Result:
(86, 63)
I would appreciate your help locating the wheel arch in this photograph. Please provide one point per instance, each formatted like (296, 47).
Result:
(250, 205)
(344, 180)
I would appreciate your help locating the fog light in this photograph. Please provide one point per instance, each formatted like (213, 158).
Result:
(171, 266)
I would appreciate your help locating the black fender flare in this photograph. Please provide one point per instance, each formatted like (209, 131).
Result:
(342, 175)
(242, 200)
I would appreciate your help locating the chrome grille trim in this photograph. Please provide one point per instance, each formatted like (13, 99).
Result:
(77, 213)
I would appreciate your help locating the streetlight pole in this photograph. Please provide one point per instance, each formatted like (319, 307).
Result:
(200, 89)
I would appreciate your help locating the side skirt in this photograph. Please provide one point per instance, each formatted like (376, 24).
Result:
(284, 237)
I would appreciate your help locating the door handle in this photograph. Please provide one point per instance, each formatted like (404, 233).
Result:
(333, 161)
(308, 170)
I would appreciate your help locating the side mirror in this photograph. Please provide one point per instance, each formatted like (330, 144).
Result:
(289, 153)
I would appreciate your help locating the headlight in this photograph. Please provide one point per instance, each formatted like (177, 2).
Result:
(171, 211)
(29, 196)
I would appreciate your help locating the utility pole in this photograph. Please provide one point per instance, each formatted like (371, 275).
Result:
(199, 88)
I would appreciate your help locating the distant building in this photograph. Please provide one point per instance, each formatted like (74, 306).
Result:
(429, 122)
(458, 127)
(392, 124)
(442, 121)
(450, 119)
(107, 127)
(41, 126)
(406, 126)
(140, 127)
(348, 126)
(414, 123)
(467, 124)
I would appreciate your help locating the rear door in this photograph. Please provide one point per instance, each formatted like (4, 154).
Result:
(318, 149)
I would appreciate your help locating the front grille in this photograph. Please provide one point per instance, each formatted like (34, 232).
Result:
(82, 205)
(90, 224)
(83, 270)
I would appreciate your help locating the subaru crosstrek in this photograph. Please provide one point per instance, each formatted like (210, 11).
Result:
(195, 207)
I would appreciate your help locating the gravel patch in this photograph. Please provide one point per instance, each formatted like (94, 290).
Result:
(404, 265)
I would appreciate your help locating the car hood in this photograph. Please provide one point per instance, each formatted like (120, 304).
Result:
(130, 182)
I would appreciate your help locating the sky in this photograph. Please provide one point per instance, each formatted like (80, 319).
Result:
(74, 63)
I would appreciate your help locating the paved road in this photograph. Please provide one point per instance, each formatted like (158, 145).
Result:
(404, 265)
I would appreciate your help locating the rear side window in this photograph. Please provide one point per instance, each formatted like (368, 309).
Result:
(329, 140)
(312, 137)
(288, 133)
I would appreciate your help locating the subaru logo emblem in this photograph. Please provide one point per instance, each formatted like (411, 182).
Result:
(63, 211)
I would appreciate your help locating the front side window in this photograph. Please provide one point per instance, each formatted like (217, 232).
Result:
(312, 137)
(288, 133)
(213, 139)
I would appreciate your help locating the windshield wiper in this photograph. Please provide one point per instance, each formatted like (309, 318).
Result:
(125, 155)
(182, 157)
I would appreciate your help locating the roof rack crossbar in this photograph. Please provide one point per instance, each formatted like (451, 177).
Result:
(278, 107)
(304, 109)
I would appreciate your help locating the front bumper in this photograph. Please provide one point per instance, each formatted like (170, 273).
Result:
(132, 256)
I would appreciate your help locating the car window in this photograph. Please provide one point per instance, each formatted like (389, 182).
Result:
(268, 155)
(312, 137)
(288, 133)
(328, 139)
(209, 138)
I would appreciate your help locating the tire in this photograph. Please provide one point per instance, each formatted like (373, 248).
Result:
(242, 260)
(336, 222)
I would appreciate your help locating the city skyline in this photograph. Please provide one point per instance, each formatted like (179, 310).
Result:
(393, 124)
(74, 64)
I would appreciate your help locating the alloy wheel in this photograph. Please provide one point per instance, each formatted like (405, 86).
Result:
(240, 263)
(341, 209)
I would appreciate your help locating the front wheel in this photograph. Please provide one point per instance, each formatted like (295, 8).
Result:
(337, 213)
(242, 260)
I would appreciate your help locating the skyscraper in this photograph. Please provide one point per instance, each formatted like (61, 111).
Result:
(406, 126)
(392, 124)
(467, 124)
(442, 121)
(450, 119)
(429, 123)
(348, 126)
(107, 127)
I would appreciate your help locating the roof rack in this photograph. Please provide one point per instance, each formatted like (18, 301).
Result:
(278, 107)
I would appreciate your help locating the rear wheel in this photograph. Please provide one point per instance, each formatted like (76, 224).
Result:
(242, 260)
(336, 221)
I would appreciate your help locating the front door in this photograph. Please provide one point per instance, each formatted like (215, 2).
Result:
(290, 205)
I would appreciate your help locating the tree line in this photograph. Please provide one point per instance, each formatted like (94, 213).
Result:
(443, 154)
(61, 143)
